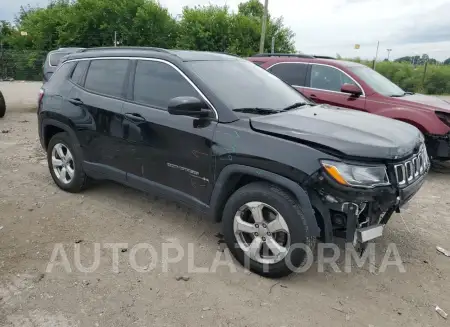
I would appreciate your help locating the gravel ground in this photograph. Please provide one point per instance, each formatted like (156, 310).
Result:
(35, 215)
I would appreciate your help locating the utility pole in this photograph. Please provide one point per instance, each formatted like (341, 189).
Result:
(263, 26)
(115, 39)
(273, 42)
(376, 56)
(389, 52)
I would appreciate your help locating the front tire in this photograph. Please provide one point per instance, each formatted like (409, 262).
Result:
(2, 105)
(265, 229)
(65, 164)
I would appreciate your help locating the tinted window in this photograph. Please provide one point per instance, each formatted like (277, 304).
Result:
(79, 71)
(328, 78)
(107, 76)
(292, 73)
(241, 84)
(61, 74)
(156, 83)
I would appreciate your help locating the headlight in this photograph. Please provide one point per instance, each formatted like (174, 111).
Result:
(354, 175)
(444, 117)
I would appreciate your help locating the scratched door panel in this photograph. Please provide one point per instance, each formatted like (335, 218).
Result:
(171, 150)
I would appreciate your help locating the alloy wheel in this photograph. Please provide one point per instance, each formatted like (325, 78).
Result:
(63, 163)
(261, 232)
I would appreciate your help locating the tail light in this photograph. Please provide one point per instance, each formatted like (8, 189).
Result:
(40, 96)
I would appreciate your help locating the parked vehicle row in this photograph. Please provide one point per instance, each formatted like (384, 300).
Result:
(355, 86)
(233, 141)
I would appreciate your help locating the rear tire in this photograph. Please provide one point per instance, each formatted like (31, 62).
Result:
(2, 105)
(277, 208)
(65, 164)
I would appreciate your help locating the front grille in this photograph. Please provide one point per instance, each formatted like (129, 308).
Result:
(408, 171)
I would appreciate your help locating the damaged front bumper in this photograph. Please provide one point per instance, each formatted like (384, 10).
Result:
(438, 146)
(360, 215)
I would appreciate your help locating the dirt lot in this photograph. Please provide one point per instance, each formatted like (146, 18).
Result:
(35, 215)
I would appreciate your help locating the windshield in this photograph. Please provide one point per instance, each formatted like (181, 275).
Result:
(377, 82)
(242, 84)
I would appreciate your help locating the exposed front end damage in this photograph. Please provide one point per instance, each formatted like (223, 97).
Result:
(438, 146)
(359, 215)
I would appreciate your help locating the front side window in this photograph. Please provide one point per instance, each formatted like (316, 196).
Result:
(156, 83)
(241, 84)
(328, 78)
(377, 82)
(291, 73)
(107, 76)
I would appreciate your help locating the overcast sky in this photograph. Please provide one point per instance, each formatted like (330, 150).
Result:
(329, 27)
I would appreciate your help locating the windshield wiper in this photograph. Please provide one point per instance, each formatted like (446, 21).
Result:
(296, 105)
(257, 110)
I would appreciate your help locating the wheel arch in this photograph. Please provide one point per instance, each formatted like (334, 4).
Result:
(234, 176)
(50, 127)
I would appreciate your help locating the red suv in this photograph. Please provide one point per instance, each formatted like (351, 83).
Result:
(356, 86)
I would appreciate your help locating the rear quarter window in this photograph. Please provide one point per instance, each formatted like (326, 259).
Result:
(61, 74)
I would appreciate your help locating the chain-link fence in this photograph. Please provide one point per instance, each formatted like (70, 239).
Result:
(21, 64)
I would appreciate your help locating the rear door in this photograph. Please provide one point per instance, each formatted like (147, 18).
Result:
(100, 88)
(164, 149)
(324, 84)
(293, 73)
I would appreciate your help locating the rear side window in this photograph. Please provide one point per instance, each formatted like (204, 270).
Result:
(78, 72)
(291, 73)
(107, 76)
(328, 78)
(156, 83)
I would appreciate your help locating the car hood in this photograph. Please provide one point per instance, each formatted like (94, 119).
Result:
(351, 132)
(423, 102)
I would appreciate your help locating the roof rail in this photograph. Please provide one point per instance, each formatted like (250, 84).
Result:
(125, 48)
(323, 57)
(298, 55)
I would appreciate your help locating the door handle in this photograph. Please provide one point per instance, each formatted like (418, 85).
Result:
(313, 96)
(76, 101)
(134, 117)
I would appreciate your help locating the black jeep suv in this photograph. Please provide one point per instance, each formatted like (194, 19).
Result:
(228, 138)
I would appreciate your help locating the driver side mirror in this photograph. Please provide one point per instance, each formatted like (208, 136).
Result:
(351, 89)
(188, 106)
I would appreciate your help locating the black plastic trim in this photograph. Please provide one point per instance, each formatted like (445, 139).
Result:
(217, 196)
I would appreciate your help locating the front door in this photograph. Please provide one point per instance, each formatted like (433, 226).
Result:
(324, 86)
(166, 151)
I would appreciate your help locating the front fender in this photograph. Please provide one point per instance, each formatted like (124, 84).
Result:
(219, 193)
(425, 121)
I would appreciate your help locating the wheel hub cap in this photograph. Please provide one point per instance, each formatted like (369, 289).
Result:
(63, 163)
(261, 232)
